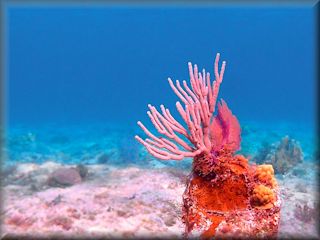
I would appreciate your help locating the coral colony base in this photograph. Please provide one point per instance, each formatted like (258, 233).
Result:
(224, 196)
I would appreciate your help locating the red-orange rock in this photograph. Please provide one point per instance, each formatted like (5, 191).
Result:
(225, 196)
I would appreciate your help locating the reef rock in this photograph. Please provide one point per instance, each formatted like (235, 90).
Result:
(233, 199)
(63, 177)
(283, 155)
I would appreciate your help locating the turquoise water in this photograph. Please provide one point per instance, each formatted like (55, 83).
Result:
(115, 144)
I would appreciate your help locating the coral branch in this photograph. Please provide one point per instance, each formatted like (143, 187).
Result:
(197, 113)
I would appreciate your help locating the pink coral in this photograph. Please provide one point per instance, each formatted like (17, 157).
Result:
(204, 131)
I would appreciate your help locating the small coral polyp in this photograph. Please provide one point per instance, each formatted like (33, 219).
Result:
(225, 196)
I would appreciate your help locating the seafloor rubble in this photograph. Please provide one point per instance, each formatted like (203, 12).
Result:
(129, 202)
(111, 202)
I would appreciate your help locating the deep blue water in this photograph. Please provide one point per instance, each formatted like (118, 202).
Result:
(107, 63)
(103, 64)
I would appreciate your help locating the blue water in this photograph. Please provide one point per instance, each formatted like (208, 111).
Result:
(78, 78)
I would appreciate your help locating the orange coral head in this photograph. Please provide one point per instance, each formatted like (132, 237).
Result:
(265, 174)
(263, 197)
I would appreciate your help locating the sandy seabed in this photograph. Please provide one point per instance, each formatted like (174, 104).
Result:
(126, 202)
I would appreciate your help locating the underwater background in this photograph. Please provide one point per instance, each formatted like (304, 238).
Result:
(78, 78)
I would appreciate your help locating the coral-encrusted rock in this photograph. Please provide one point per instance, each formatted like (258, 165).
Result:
(283, 155)
(226, 196)
(63, 177)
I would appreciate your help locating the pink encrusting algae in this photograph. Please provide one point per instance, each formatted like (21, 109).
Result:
(225, 195)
